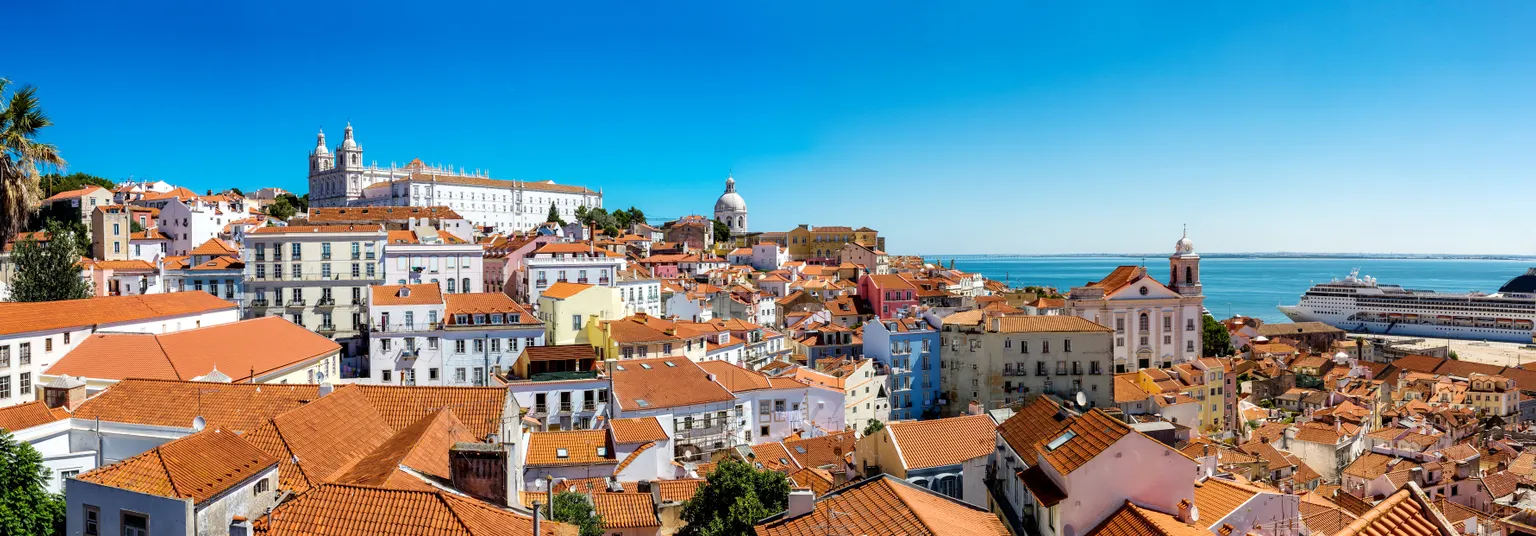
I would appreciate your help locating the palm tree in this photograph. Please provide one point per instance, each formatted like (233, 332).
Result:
(20, 156)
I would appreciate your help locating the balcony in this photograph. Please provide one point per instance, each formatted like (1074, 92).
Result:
(326, 303)
(295, 304)
(409, 353)
(541, 283)
(356, 256)
(581, 280)
(259, 303)
(357, 301)
(326, 328)
(603, 281)
(324, 256)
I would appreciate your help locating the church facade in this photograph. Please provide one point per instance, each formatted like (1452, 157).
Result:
(731, 209)
(341, 179)
(1155, 325)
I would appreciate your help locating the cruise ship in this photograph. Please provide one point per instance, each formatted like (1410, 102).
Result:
(1358, 304)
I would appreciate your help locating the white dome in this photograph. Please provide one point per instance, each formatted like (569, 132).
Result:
(1185, 246)
(320, 149)
(347, 142)
(730, 201)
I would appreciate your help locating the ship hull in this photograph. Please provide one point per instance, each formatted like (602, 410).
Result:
(1436, 331)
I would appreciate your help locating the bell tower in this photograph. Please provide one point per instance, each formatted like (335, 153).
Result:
(320, 158)
(1184, 268)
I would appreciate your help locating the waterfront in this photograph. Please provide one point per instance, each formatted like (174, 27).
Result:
(1253, 286)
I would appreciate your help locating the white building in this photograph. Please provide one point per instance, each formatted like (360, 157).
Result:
(769, 256)
(315, 275)
(422, 337)
(731, 209)
(35, 335)
(573, 262)
(189, 219)
(1155, 326)
(344, 179)
(424, 255)
(640, 295)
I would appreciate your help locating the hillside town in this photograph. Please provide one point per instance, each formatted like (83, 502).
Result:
(428, 350)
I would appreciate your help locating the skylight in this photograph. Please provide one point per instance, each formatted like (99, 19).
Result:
(602, 451)
(562, 453)
(646, 366)
(642, 402)
(1060, 440)
(799, 449)
(669, 363)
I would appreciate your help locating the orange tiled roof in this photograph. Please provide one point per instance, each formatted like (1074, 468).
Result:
(44, 316)
(259, 345)
(637, 430)
(1218, 497)
(215, 247)
(816, 480)
(21, 417)
(478, 408)
(422, 446)
(482, 303)
(343, 510)
(241, 407)
(1119, 278)
(1092, 432)
(74, 193)
(829, 450)
(625, 510)
(735, 378)
(665, 382)
(296, 229)
(1036, 422)
(563, 289)
(1132, 520)
(198, 467)
(886, 505)
(319, 441)
(678, 490)
(1053, 323)
(417, 294)
(1404, 513)
(580, 447)
(939, 442)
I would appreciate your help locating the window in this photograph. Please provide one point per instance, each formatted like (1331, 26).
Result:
(1061, 368)
(1045, 347)
(296, 249)
(1189, 346)
(92, 520)
(1119, 325)
(1167, 323)
(458, 347)
(495, 345)
(1144, 324)
(432, 343)
(1066, 345)
(384, 344)
(1040, 368)
(1189, 324)
(26, 383)
(450, 286)
(479, 375)
(261, 487)
(575, 320)
(5, 356)
(385, 374)
(479, 345)
(47, 344)
(26, 355)
(459, 376)
(135, 524)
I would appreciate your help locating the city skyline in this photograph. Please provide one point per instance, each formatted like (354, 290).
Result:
(1365, 128)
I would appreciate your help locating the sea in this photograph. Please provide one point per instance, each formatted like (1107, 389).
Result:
(1251, 286)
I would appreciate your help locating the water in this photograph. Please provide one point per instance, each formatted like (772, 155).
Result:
(1253, 286)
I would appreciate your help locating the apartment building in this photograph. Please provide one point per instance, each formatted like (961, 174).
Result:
(909, 349)
(425, 255)
(420, 336)
(36, 335)
(316, 276)
(573, 262)
(1002, 361)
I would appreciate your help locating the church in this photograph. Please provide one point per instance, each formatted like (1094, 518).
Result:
(731, 209)
(1155, 325)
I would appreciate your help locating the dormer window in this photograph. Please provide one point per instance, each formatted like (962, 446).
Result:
(461, 319)
(496, 318)
(405, 292)
(479, 319)
(516, 319)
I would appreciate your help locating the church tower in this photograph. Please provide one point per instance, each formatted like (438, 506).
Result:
(350, 153)
(320, 157)
(1184, 268)
(731, 209)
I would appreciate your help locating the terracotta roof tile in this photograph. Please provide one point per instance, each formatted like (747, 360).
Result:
(317, 442)
(215, 247)
(886, 505)
(673, 491)
(263, 345)
(311, 229)
(940, 442)
(343, 510)
(572, 447)
(1404, 513)
(1217, 497)
(641, 384)
(422, 446)
(198, 467)
(22, 317)
(637, 430)
(1036, 422)
(241, 407)
(1132, 520)
(1090, 433)
(418, 294)
(817, 480)
(479, 408)
(1044, 324)
(828, 450)
(24, 416)
(562, 290)
(483, 303)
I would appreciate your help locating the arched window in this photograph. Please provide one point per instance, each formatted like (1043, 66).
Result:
(465, 287)
(1189, 275)
(1145, 323)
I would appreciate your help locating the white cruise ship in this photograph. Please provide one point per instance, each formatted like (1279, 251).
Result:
(1360, 305)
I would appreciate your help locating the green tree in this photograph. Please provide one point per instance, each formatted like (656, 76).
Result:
(237, 191)
(54, 183)
(722, 232)
(281, 208)
(583, 215)
(1454, 357)
(554, 215)
(20, 157)
(573, 508)
(26, 506)
(135, 227)
(635, 216)
(49, 271)
(303, 202)
(1216, 341)
(873, 426)
(733, 498)
(300, 205)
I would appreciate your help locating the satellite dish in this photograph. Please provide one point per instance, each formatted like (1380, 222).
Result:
(199, 423)
(1082, 399)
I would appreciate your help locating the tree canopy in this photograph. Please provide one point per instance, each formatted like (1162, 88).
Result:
(873, 426)
(733, 498)
(49, 271)
(281, 208)
(21, 156)
(26, 506)
(1216, 342)
(574, 509)
(54, 183)
(722, 232)
(554, 215)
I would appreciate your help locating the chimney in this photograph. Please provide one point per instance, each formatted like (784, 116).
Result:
(536, 517)
(481, 470)
(1187, 512)
(239, 526)
(801, 502)
(325, 389)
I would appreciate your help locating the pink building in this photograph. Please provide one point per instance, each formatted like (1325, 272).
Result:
(887, 294)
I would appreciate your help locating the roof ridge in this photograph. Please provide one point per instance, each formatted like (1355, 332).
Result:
(170, 362)
(294, 458)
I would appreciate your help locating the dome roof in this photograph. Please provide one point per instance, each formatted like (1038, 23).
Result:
(730, 201)
(346, 141)
(1524, 283)
(1185, 246)
(320, 149)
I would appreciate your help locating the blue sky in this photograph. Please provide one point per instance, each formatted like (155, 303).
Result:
(1004, 127)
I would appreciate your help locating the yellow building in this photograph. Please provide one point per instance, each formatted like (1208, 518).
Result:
(823, 243)
(568, 308)
(643, 336)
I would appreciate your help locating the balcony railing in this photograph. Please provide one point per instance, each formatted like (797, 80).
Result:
(325, 256)
(327, 328)
(258, 303)
(296, 303)
(326, 302)
(402, 327)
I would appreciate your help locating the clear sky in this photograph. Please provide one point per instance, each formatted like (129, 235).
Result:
(952, 127)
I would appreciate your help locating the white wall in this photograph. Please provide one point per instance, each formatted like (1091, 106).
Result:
(166, 516)
(1135, 467)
